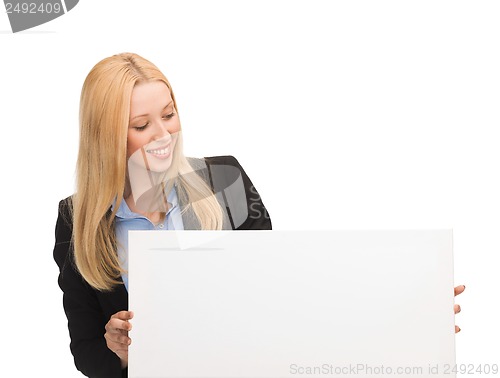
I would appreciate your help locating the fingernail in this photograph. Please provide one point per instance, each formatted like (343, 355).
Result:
(463, 286)
(459, 329)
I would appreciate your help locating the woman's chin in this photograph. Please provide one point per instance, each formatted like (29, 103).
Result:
(159, 165)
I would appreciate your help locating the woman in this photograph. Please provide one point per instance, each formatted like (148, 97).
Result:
(132, 174)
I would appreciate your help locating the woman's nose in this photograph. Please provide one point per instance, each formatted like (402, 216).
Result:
(161, 129)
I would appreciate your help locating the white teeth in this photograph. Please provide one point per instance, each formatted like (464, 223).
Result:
(163, 151)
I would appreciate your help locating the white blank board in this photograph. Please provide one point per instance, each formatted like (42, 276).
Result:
(291, 303)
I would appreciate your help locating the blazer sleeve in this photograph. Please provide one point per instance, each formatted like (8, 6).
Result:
(256, 215)
(86, 320)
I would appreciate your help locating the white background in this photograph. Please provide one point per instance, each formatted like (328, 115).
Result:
(345, 114)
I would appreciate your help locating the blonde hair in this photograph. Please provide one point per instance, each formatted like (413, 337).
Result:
(102, 165)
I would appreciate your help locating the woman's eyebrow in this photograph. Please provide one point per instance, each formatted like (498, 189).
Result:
(142, 115)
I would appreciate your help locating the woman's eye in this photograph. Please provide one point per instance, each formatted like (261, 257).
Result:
(168, 116)
(140, 128)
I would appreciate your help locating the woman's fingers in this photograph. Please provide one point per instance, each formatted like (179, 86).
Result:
(119, 322)
(117, 332)
(123, 315)
(117, 341)
(117, 337)
(118, 325)
(459, 289)
(122, 318)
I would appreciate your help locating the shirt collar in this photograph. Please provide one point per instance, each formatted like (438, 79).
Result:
(124, 211)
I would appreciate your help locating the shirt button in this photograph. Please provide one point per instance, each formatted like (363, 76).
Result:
(160, 225)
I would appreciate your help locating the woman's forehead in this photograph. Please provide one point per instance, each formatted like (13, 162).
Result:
(150, 95)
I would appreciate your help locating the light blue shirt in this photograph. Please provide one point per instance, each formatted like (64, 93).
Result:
(127, 220)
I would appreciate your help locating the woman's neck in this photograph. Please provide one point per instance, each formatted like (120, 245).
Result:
(154, 216)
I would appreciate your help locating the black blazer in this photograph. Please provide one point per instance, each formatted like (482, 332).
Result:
(88, 310)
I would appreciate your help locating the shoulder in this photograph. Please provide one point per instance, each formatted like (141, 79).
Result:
(64, 218)
(240, 195)
(63, 231)
(219, 170)
(65, 206)
(225, 159)
(226, 165)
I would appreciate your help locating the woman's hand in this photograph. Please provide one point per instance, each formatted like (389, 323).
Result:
(117, 335)
(458, 290)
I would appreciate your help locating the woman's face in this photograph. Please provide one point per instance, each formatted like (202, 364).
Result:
(153, 126)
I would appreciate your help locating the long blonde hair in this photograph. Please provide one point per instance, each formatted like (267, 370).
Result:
(102, 165)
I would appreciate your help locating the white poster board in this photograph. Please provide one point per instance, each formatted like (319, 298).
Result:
(291, 303)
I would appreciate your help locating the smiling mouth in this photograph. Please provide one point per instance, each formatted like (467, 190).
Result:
(160, 152)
